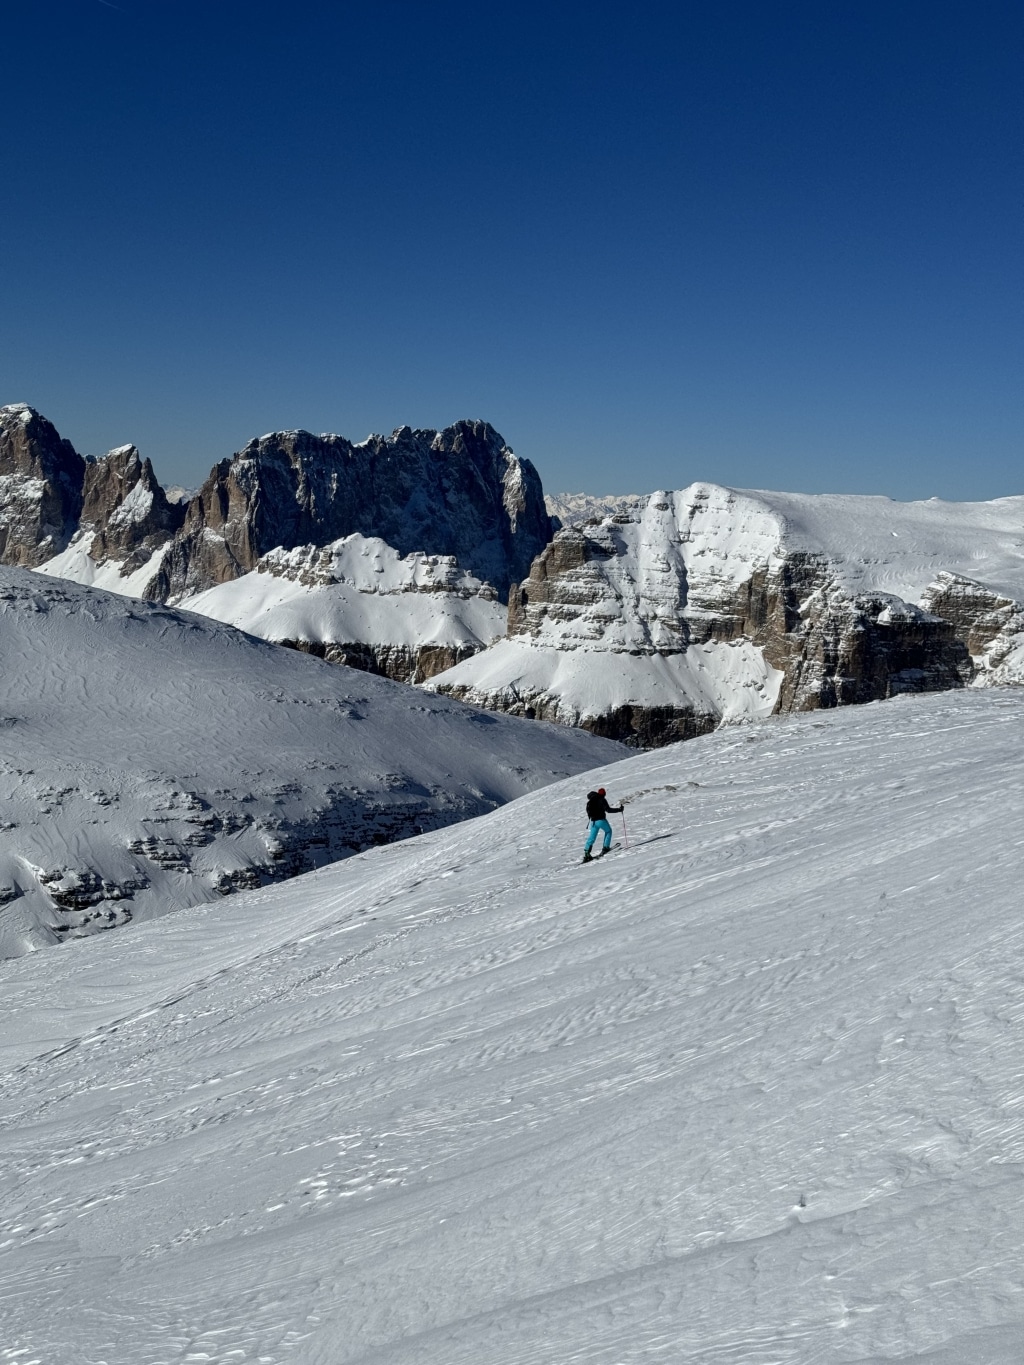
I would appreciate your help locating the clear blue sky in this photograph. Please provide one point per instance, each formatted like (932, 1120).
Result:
(768, 244)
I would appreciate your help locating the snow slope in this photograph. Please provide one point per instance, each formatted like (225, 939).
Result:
(75, 563)
(747, 1093)
(877, 545)
(150, 759)
(726, 682)
(358, 589)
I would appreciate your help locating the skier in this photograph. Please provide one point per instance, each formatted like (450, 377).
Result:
(597, 809)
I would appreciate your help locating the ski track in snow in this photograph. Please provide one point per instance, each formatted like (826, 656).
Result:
(747, 1092)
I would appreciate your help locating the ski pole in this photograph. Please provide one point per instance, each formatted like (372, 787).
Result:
(625, 836)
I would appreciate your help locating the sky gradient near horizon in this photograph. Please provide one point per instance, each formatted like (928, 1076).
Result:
(768, 245)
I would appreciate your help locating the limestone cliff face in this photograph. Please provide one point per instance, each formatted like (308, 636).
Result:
(840, 649)
(53, 500)
(458, 492)
(41, 479)
(988, 624)
(125, 510)
(660, 621)
(401, 663)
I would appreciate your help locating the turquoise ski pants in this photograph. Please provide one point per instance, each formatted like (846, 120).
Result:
(597, 827)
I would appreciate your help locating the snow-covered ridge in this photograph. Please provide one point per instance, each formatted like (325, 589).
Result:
(153, 759)
(746, 1091)
(359, 591)
(875, 545)
(754, 602)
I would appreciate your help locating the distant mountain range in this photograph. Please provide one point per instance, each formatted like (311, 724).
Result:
(645, 618)
(571, 509)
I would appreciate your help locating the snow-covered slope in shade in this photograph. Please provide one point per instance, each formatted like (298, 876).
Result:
(745, 1092)
(358, 589)
(151, 759)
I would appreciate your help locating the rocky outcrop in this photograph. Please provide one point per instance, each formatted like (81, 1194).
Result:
(400, 663)
(41, 479)
(660, 621)
(125, 509)
(837, 649)
(57, 505)
(459, 492)
(988, 624)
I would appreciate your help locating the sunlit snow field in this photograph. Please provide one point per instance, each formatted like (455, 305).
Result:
(747, 1091)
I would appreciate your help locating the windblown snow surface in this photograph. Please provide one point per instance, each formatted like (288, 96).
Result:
(747, 1091)
(151, 759)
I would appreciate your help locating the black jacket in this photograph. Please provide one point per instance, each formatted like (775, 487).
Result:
(598, 807)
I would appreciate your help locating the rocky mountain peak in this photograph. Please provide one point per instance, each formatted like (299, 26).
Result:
(41, 479)
(126, 509)
(460, 491)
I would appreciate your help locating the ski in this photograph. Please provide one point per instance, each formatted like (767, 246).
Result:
(596, 857)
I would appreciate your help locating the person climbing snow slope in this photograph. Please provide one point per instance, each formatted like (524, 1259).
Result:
(597, 809)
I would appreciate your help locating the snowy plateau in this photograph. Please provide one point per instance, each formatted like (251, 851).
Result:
(150, 759)
(745, 1092)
